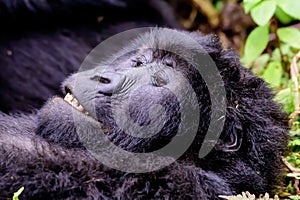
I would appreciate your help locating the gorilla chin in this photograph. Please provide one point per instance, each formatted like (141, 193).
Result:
(135, 99)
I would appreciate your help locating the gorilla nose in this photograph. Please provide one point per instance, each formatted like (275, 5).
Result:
(108, 82)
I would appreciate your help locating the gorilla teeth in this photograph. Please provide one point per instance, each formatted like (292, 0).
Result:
(74, 102)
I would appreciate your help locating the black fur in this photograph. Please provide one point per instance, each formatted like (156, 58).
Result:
(42, 151)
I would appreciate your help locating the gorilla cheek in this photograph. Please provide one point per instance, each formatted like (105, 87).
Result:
(149, 103)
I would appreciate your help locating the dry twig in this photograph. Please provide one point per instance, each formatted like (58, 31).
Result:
(294, 171)
(295, 74)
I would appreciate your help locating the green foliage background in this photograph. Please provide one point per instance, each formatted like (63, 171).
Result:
(277, 63)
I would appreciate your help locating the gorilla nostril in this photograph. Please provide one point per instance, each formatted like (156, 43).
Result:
(101, 79)
(67, 90)
(104, 80)
(107, 83)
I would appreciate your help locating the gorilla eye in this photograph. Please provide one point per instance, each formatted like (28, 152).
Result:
(137, 63)
(143, 59)
(101, 79)
(169, 62)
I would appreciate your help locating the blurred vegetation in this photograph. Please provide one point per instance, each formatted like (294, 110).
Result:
(267, 35)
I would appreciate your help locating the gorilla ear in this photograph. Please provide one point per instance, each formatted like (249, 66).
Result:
(233, 140)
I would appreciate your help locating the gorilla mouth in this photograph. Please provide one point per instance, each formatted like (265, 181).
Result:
(74, 103)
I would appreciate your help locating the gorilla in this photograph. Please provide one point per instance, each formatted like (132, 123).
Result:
(42, 42)
(135, 100)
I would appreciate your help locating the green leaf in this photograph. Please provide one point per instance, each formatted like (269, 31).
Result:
(263, 12)
(282, 16)
(273, 73)
(291, 7)
(294, 143)
(18, 193)
(219, 5)
(287, 50)
(286, 98)
(294, 133)
(256, 43)
(290, 36)
(294, 197)
(249, 4)
(276, 55)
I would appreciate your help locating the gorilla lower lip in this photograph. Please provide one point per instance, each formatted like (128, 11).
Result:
(74, 103)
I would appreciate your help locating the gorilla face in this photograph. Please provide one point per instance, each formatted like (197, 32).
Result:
(138, 81)
(136, 100)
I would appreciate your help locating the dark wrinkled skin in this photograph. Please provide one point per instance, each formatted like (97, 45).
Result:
(43, 153)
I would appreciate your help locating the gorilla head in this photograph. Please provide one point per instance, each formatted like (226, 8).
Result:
(160, 91)
(139, 96)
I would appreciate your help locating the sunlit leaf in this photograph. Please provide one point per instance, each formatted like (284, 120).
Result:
(286, 98)
(294, 143)
(276, 55)
(256, 43)
(294, 197)
(249, 4)
(291, 7)
(273, 73)
(282, 16)
(290, 36)
(263, 12)
(294, 133)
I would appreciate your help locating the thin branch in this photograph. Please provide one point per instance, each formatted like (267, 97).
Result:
(295, 74)
(289, 166)
(296, 186)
